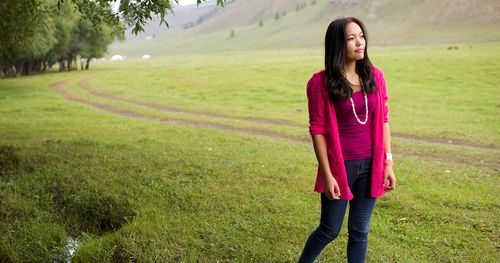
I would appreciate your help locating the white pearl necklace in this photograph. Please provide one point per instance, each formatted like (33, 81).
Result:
(354, 110)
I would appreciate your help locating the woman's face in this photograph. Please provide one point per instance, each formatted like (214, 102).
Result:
(355, 42)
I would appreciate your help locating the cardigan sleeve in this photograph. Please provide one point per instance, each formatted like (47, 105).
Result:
(385, 97)
(317, 103)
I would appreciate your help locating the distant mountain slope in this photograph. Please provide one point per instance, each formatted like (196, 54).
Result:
(301, 23)
(183, 16)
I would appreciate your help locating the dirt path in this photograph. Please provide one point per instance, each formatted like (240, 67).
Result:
(88, 86)
(60, 88)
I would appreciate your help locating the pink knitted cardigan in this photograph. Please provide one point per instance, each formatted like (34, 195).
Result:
(323, 120)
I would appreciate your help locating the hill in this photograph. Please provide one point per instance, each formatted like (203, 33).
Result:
(262, 24)
(182, 18)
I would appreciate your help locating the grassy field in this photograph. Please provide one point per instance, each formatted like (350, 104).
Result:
(207, 158)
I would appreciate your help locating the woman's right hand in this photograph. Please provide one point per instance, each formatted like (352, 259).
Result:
(331, 188)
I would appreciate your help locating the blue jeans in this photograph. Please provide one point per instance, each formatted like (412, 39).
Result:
(333, 211)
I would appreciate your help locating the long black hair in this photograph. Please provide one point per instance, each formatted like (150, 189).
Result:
(335, 58)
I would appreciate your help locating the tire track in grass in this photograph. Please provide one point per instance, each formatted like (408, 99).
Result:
(446, 141)
(89, 87)
(60, 88)
(488, 163)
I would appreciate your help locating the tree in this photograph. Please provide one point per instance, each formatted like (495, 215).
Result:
(38, 33)
(26, 33)
(93, 43)
(31, 54)
(65, 20)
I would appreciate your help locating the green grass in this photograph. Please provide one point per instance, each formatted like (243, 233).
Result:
(135, 189)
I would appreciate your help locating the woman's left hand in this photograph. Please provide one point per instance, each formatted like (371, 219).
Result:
(389, 178)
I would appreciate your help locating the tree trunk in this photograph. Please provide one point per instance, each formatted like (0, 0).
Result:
(87, 64)
(69, 62)
(10, 71)
(43, 66)
(6, 70)
(61, 65)
(19, 68)
(28, 67)
(37, 66)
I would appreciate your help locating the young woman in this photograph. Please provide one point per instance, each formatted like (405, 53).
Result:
(348, 122)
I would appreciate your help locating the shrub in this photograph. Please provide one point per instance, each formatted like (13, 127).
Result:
(86, 207)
